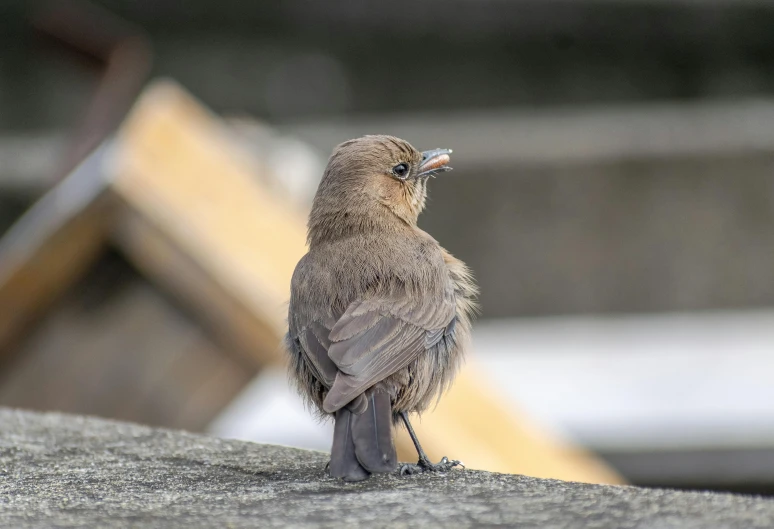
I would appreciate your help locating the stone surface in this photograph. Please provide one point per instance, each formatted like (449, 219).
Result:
(66, 471)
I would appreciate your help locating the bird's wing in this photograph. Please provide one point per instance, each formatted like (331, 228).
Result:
(375, 338)
(314, 345)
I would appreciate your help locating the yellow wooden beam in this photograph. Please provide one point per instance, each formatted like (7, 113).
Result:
(198, 221)
(193, 197)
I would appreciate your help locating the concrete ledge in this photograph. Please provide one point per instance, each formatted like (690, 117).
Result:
(66, 471)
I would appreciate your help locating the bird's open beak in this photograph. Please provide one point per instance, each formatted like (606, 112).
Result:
(434, 162)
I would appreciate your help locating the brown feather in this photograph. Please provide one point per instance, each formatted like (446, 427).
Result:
(376, 300)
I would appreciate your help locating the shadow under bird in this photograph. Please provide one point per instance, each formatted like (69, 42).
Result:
(379, 313)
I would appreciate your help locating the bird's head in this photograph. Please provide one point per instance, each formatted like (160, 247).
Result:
(372, 182)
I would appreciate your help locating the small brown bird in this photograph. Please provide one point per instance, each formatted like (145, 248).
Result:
(379, 312)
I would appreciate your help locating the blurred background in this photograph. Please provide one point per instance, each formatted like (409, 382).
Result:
(613, 192)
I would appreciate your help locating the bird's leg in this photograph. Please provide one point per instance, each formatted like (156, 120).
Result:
(424, 464)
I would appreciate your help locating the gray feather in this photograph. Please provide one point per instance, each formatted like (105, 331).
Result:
(372, 434)
(344, 463)
(385, 362)
(317, 353)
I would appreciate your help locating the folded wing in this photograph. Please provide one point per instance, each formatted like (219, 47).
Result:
(375, 338)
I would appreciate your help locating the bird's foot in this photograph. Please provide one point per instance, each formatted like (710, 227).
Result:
(424, 465)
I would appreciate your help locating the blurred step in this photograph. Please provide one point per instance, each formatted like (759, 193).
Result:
(669, 400)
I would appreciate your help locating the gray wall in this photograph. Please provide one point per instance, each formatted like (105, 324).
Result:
(639, 235)
(302, 59)
(638, 232)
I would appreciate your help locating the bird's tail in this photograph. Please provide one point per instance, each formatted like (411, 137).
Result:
(362, 443)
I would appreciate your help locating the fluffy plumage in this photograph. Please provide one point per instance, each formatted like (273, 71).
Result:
(379, 312)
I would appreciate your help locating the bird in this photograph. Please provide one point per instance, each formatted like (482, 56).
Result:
(380, 314)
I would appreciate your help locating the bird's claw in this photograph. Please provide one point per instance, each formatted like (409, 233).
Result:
(424, 465)
(409, 469)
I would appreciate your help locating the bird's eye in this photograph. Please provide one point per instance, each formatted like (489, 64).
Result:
(401, 170)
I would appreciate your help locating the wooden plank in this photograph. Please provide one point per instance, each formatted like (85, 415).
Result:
(210, 232)
(52, 245)
(179, 172)
(226, 317)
